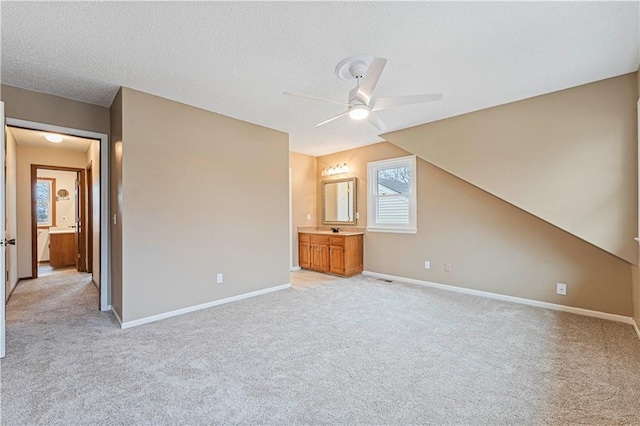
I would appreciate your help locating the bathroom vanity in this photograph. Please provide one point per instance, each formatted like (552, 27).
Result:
(62, 248)
(325, 251)
(339, 253)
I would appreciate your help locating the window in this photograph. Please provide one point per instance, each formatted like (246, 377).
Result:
(45, 207)
(392, 195)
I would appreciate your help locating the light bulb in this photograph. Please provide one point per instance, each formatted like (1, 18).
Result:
(53, 138)
(359, 112)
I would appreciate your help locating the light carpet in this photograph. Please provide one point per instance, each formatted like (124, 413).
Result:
(357, 351)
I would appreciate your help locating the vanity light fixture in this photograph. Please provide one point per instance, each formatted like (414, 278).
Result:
(337, 170)
(53, 138)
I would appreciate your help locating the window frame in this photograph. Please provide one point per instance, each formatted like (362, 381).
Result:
(51, 203)
(372, 196)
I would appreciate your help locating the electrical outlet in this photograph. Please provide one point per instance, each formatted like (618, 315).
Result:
(219, 278)
(561, 289)
(447, 267)
(308, 216)
(357, 215)
(427, 264)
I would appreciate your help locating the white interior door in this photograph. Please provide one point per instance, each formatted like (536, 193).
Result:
(3, 230)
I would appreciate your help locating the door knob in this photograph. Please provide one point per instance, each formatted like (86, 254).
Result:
(8, 242)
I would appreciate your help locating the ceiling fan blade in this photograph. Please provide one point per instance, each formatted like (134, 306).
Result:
(376, 122)
(335, 117)
(398, 101)
(370, 80)
(315, 98)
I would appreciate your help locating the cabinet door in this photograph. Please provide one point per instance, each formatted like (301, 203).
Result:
(304, 254)
(62, 250)
(320, 257)
(336, 260)
(323, 258)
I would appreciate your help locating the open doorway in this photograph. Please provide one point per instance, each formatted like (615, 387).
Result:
(59, 241)
(61, 204)
(56, 191)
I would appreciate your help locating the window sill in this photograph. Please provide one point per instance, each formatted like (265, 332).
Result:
(394, 230)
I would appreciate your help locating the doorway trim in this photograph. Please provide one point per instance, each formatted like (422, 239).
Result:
(81, 249)
(290, 222)
(105, 240)
(88, 226)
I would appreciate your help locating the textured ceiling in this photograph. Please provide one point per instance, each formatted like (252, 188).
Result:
(35, 138)
(237, 58)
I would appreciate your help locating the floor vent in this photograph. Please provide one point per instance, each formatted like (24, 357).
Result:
(382, 279)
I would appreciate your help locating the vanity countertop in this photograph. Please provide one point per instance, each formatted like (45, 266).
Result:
(61, 231)
(323, 231)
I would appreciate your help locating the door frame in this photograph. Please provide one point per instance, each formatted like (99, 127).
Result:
(88, 226)
(3, 222)
(290, 222)
(105, 241)
(81, 262)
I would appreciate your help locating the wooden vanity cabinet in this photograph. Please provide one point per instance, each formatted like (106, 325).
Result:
(336, 254)
(304, 251)
(62, 250)
(313, 252)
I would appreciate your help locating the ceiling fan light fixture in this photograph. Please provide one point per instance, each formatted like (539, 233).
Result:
(359, 112)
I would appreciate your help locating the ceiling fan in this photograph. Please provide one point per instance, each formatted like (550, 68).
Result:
(366, 70)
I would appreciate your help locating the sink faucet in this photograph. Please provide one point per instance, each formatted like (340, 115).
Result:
(335, 230)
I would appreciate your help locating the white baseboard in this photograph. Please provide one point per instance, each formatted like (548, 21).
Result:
(182, 311)
(536, 303)
(116, 314)
(295, 268)
(636, 327)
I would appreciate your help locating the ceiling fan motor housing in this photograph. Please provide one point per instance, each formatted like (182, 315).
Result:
(354, 99)
(353, 67)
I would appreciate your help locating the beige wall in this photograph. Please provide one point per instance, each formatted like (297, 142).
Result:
(115, 203)
(636, 275)
(42, 108)
(12, 213)
(201, 194)
(357, 160)
(65, 209)
(303, 196)
(568, 157)
(491, 245)
(93, 157)
(26, 156)
(636, 294)
(48, 109)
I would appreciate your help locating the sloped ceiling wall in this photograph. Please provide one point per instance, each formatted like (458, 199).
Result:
(568, 157)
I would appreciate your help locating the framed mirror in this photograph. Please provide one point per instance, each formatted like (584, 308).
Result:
(339, 201)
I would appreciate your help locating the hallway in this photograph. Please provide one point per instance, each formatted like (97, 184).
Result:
(54, 331)
(56, 299)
